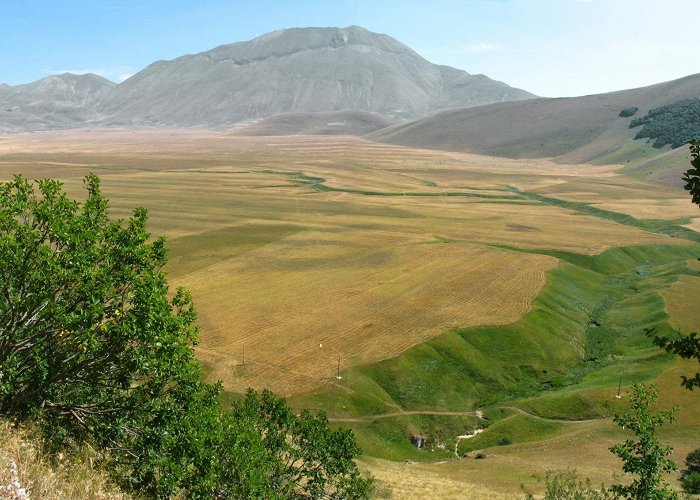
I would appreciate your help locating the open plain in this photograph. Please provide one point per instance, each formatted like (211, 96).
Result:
(309, 254)
(300, 249)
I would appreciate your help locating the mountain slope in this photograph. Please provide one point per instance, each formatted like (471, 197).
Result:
(297, 70)
(577, 129)
(321, 123)
(53, 102)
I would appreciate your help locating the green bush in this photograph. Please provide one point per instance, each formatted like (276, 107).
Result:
(690, 477)
(644, 457)
(567, 486)
(95, 348)
(627, 112)
(504, 441)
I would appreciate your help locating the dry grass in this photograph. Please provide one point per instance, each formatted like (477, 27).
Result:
(681, 303)
(64, 478)
(279, 268)
(428, 481)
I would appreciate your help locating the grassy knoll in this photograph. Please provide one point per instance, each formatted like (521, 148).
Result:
(630, 151)
(681, 303)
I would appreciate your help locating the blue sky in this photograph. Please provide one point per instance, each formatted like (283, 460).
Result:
(549, 47)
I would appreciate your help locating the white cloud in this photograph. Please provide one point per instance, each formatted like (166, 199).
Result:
(125, 76)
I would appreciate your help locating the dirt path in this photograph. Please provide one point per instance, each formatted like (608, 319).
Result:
(406, 413)
(545, 419)
(476, 413)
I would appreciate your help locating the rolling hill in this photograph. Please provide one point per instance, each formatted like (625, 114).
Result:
(573, 130)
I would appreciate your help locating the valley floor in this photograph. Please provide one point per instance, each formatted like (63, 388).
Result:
(437, 284)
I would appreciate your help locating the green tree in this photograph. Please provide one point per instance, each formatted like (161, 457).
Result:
(645, 457)
(305, 458)
(690, 477)
(692, 175)
(94, 346)
(88, 333)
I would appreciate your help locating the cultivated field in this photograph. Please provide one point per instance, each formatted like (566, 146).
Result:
(302, 249)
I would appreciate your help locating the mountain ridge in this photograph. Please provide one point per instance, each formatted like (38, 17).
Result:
(298, 70)
(55, 101)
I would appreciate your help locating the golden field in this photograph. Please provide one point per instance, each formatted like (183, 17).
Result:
(300, 250)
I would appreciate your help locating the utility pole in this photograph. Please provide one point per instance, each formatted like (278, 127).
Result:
(619, 386)
(338, 372)
(243, 356)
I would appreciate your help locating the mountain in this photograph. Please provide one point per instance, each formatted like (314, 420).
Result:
(573, 130)
(56, 101)
(347, 122)
(303, 70)
(297, 70)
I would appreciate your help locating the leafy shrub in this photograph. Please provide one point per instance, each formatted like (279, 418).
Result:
(480, 456)
(627, 112)
(567, 486)
(504, 441)
(95, 348)
(692, 185)
(690, 477)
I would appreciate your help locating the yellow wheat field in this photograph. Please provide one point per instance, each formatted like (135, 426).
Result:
(301, 302)
(302, 251)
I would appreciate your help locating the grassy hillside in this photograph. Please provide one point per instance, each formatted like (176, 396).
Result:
(562, 362)
(574, 130)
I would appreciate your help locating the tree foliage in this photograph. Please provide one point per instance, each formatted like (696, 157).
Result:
(645, 457)
(674, 124)
(88, 333)
(305, 458)
(94, 346)
(627, 112)
(690, 477)
(692, 175)
(685, 346)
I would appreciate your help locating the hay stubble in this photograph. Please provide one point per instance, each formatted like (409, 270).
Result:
(367, 249)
